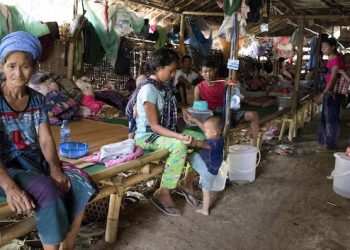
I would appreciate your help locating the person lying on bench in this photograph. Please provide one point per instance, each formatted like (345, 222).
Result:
(31, 176)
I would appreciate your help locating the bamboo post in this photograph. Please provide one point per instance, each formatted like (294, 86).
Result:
(182, 33)
(113, 217)
(16, 230)
(295, 97)
(138, 177)
(71, 45)
(316, 69)
(70, 59)
(198, 13)
(133, 164)
(229, 91)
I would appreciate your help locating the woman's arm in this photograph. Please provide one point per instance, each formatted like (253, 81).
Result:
(152, 116)
(332, 81)
(48, 147)
(18, 200)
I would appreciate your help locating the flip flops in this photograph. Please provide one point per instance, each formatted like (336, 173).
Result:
(166, 210)
(189, 197)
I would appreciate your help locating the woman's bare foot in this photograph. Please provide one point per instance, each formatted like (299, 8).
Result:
(203, 211)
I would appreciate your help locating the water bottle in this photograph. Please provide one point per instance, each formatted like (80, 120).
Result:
(65, 132)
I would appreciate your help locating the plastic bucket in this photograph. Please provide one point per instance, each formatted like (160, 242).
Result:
(243, 162)
(341, 175)
(219, 181)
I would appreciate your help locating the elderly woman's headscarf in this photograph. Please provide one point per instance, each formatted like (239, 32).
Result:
(20, 41)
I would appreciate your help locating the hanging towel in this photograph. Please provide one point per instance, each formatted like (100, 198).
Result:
(117, 150)
(312, 61)
(199, 42)
(231, 6)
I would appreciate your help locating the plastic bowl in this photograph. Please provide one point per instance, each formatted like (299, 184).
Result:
(73, 150)
(200, 115)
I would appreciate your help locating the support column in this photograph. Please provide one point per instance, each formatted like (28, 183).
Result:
(230, 88)
(295, 97)
(113, 217)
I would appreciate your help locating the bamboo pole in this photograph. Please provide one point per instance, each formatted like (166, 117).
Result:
(70, 59)
(199, 13)
(229, 90)
(138, 177)
(182, 31)
(316, 69)
(113, 217)
(295, 97)
(133, 164)
(319, 17)
(16, 230)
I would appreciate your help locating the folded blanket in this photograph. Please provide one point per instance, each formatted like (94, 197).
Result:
(96, 156)
(117, 150)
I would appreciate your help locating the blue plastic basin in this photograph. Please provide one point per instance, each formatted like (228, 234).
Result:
(73, 149)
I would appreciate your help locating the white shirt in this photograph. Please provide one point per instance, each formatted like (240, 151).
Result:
(190, 77)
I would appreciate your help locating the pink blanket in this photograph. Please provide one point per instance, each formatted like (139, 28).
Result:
(95, 157)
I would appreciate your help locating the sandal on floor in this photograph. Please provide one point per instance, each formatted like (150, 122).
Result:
(167, 210)
(189, 197)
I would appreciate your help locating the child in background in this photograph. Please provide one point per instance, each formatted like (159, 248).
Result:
(209, 158)
(132, 120)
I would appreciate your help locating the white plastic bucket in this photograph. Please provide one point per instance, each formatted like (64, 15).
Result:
(341, 175)
(243, 162)
(219, 181)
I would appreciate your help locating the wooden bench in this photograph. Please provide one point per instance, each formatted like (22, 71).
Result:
(114, 187)
(96, 134)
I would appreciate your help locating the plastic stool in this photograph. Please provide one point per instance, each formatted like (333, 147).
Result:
(291, 126)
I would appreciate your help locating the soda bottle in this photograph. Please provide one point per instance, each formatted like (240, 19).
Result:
(64, 132)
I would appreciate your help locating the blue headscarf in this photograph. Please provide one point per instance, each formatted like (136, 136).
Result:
(20, 41)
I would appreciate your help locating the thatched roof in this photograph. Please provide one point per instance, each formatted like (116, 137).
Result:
(172, 9)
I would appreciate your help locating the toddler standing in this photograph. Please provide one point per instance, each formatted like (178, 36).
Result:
(207, 161)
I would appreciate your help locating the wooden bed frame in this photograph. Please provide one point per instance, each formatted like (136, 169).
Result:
(114, 184)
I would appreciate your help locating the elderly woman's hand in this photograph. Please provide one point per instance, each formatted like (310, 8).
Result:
(61, 180)
(18, 200)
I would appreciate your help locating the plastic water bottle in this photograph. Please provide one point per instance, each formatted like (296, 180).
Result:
(65, 132)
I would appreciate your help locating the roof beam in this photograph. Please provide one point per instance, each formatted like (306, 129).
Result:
(338, 7)
(151, 5)
(317, 17)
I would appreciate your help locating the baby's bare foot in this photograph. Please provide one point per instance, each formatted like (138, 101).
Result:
(203, 211)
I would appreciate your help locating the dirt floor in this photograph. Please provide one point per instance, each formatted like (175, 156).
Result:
(290, 205)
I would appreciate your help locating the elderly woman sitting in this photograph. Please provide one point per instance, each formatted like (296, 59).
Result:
(31, 175)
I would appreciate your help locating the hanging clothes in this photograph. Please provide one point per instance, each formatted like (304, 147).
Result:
(254, 13)
(123, 63)
(199, 42)
(283, 47)
(161, 38)
(312, 61)
(231, 6)
(7, 17)
(47, 47)
(93, 49)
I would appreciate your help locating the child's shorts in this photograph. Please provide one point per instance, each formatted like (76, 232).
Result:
(205, 177)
